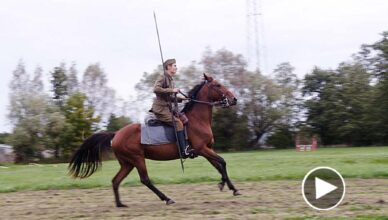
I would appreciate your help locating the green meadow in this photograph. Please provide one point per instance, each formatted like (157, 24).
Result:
(357, 162)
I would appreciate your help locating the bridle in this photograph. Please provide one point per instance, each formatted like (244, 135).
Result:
(224, 102)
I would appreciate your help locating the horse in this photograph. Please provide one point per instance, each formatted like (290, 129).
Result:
(130, 153)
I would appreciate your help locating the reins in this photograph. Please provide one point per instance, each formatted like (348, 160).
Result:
(224, 102)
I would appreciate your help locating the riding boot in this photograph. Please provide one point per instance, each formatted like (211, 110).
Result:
(183, 145)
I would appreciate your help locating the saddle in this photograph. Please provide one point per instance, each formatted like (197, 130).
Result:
(156, 132)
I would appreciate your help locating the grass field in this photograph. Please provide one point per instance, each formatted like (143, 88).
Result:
(370, 162)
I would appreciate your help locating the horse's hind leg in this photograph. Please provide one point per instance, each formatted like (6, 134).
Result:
(123, 172)
(142, 170)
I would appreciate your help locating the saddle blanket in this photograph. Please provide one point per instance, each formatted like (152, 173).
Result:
(156, 135)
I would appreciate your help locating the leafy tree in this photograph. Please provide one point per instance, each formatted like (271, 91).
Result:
(115, 123)
(27, 114)
(37, 83)
(263, 107)
(56, 129)
(98, 94)
(283, 133)
(336, 103)
(375, 58)
(285, 77)
(59, 85)
(72, 80)
(282, 138)
(319, 91)
(80, 117)
(354, 94)
(4, 138)
(224, 65)
(230, 130)
(144, 88)
(18, 93)
(27, 135)
(188, 77)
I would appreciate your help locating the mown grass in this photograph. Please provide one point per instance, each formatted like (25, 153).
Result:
(362, 162)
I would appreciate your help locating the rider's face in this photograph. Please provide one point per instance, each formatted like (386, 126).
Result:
(172, 69)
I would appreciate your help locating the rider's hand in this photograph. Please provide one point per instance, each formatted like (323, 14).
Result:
(175, 90)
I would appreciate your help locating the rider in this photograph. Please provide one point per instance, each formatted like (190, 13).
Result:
(164, 90)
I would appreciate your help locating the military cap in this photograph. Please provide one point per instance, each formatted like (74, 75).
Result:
(168, 62)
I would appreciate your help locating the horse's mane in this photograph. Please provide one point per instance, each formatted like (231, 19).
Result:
(193, 95)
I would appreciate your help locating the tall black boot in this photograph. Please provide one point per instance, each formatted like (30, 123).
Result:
(183, 145)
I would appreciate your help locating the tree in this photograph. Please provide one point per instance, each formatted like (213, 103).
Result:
(115, 123)
(354, 94)
(28, 133)
(56, 129)
(59, 85)
(224, 65)
(375, 59)
(285, 77)
(37, 83)
(282, 138)
(98, 94)
(80, 117)
(72, 80)
(336, 103)
(230, 130)
(282, 135)
(188, 77)
(264, 108)
(144, 88)
(18, 91)
(4, 137)
(27, 106)
(319, 91)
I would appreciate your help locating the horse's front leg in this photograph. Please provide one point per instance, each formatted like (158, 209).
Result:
(219, 163)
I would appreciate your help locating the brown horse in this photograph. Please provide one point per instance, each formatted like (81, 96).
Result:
(131, 153)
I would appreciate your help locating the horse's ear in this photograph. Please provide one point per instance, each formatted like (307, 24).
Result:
(207, 78)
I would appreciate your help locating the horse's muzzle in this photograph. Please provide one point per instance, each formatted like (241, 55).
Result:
(226, 102)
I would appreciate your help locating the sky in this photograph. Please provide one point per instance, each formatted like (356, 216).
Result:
(121, 36)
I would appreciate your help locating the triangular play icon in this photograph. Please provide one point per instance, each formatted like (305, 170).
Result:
(322, 188)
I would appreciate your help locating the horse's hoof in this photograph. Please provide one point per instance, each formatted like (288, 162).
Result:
(236, 193)
(221, 186)
(121, 206)
(170, 201)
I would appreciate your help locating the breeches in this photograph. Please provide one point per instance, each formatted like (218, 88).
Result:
(164, 114)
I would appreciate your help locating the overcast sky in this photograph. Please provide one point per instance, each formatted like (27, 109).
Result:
(121, 34)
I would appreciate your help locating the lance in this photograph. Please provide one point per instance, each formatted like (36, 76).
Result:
(169, 101)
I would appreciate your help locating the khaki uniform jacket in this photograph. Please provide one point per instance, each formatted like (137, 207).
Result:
(164, 91)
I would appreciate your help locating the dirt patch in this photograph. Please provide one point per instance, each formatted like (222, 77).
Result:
(259, 200)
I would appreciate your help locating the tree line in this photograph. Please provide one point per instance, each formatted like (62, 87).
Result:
(346, 105)
(59, 120)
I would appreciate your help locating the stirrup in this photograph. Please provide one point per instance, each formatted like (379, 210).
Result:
(189, 152)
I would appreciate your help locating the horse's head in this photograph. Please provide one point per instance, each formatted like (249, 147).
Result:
(219, 93)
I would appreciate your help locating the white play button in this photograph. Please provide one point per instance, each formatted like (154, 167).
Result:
(322, 188)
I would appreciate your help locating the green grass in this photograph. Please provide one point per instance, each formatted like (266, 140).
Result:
(365, 162)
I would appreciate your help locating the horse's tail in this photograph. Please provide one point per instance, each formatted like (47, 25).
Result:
(87, 158)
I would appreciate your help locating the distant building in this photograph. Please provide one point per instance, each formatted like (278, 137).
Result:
(6, 153)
